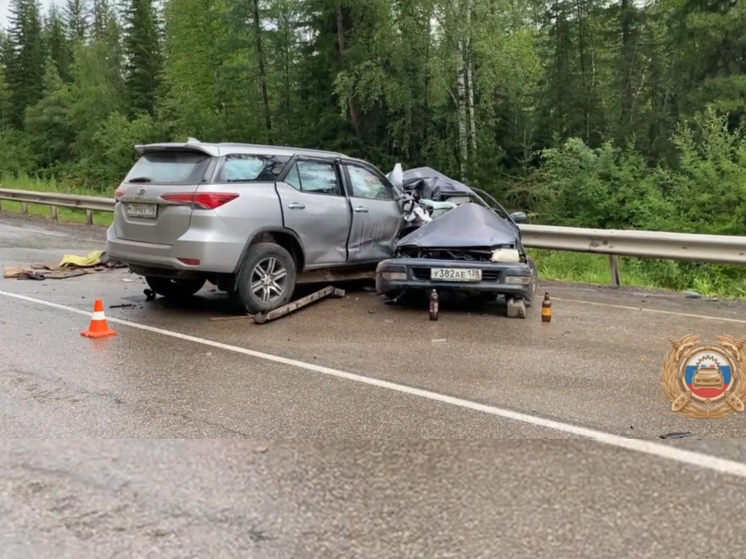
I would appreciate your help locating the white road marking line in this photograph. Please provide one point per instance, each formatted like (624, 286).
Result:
(656, 311)
(658, 450)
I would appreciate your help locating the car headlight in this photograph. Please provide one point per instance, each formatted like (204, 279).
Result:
(394, 276)
(519, 280)
(506, 255)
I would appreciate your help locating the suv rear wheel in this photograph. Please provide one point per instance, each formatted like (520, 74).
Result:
(267, 278)
(174, 288)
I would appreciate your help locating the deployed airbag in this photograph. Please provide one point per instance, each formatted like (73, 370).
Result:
(469, 225)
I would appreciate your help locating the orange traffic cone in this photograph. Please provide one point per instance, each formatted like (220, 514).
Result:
(99, 328)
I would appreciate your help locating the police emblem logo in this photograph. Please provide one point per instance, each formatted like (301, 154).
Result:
(705, 380)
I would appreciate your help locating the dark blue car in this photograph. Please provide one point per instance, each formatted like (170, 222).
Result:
(469, 249)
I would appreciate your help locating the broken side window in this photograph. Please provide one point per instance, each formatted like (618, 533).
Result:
(366, 184)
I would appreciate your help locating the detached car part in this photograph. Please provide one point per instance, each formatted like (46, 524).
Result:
(261, 318)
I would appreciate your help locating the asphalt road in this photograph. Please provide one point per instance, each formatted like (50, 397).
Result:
(368, 383)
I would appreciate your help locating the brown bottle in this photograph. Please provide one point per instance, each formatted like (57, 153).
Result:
(434, 305)
(546, 309)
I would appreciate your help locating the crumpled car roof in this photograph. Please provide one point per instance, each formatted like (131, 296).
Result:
(469, 225)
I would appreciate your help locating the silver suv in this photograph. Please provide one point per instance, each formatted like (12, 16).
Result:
(248, 218)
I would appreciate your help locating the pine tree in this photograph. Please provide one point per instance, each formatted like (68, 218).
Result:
(59, 48)
(76, 16)
(143, 56)
(26, 64)
(101, 14)
(6, 53)
(106, 29)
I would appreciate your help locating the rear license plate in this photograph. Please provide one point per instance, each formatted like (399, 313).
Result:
(455, 274)
(142, 210)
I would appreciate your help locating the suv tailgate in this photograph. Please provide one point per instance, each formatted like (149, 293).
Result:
(141, 213)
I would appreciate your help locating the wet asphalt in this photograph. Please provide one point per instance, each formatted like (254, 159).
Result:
(367, 485)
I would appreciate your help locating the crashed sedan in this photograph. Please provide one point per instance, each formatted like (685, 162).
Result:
(468, 249)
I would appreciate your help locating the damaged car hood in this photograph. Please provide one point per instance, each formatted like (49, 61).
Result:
(467, 225)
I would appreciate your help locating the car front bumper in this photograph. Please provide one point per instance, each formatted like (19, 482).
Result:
(512, 279)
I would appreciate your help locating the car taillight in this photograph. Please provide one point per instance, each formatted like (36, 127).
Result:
(202, 200)
(118, 194)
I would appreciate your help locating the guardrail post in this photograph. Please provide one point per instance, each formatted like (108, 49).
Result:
(53, 211)
(89, 217)
(24, 208)
(616, 280)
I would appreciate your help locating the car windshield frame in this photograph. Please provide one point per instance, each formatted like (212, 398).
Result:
(498, 208)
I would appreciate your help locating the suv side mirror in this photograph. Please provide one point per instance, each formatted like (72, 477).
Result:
(519, 217)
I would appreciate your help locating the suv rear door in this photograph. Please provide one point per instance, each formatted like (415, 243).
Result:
(315, 207)
(141, 213)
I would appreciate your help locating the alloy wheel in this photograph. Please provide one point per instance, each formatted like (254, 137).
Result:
(269, 280)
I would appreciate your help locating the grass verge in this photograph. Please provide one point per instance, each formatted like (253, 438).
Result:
(706, 279)
(63, 214)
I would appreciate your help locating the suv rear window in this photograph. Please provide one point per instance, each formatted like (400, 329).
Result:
(169, 167)
(241, 167)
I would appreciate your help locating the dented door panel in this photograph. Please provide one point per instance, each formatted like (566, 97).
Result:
(376, 216)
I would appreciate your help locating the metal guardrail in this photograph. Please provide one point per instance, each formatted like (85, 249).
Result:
(716, 249)
(57, 200)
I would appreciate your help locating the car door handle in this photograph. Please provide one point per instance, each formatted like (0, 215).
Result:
(296, 206)
(361, 210)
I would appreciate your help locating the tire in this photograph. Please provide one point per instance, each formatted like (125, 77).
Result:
(535, 272)
(264, 298)
(174, 288)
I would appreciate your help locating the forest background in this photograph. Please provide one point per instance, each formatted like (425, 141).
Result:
(590, 113)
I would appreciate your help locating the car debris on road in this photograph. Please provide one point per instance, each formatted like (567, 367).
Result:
(71, 266)
(261, 318)
(681, 435)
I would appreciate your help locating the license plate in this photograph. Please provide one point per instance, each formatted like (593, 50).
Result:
(142, 210)
(455, 274)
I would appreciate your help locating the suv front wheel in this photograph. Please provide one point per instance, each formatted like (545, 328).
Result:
(267, 278)
(174, 288)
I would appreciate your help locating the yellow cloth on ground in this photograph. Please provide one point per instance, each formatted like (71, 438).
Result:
(72, 261)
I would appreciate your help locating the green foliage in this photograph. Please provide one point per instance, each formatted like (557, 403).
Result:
(25, 62)
(112, 145)
(143, 55)
(605, 188)
(76, 20)
(709, 190)
(55, 35)
(584, 112)
(49, 134)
